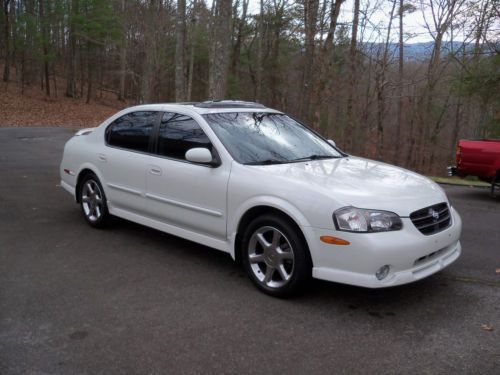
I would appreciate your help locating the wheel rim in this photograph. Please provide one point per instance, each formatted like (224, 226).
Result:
(92, 202)
(495, 188)
(271, 257)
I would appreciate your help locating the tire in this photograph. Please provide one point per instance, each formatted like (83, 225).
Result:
(275, 256)
(495, 186)
(93, 201)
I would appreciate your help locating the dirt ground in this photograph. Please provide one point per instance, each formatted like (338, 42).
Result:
(33, 108)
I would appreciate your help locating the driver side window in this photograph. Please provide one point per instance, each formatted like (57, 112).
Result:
(179, 133)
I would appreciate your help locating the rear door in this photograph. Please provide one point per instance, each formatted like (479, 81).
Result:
(125, 159)
(181, 193)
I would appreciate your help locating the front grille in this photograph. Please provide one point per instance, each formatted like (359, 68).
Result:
(433, 219)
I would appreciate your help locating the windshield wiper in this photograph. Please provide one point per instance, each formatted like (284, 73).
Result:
(266, 162)
(315, 157)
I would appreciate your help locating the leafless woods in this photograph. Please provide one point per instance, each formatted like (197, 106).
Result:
(348, 68)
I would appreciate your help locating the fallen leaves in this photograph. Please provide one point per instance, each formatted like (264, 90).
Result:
(487, 327)
(34, 109)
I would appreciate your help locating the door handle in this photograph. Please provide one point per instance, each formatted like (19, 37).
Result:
(102, 157)
(155, 170)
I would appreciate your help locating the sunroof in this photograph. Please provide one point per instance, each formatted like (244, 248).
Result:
(228, 104)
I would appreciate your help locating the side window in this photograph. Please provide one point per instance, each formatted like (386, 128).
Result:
(131, 131)
(179, 133)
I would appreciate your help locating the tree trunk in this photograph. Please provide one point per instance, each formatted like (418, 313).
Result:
(260, 38)
(310, 21)
(6, 68)
(235, 62)
(123, 56)
(191, 53)
(71, 70)
(352, 79)
(399, 116)
(89, 73)
(381, 86)
(219, 51)
(44, 46)
(180, 48)
(147, 71)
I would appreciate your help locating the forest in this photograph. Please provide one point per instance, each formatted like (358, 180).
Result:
(330, 63)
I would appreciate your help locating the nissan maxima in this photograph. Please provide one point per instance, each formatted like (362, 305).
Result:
(255, 183)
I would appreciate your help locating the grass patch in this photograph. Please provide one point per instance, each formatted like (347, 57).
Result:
(460, 181)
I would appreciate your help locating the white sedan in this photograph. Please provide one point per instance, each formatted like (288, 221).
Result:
(257, 184)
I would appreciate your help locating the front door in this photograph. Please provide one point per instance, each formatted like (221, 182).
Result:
(184, 194)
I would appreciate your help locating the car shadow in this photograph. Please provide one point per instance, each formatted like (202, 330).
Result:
(378, 303)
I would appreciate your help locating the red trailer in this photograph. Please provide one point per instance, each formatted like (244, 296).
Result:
(479, 158)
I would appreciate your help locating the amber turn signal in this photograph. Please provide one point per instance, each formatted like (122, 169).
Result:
(334, 240)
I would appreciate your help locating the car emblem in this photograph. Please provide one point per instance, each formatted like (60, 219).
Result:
(434, 214)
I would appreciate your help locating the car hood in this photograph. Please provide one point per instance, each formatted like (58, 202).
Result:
(363, 183)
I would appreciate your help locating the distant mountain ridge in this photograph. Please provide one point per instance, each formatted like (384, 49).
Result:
(419, 51)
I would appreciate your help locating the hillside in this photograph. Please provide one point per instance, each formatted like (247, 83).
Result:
(34, 109)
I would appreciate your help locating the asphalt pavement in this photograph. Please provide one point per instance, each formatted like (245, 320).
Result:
(132, 300)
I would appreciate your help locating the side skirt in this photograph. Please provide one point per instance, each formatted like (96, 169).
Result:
(171, 229)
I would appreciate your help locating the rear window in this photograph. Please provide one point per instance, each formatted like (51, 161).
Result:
(132, 131)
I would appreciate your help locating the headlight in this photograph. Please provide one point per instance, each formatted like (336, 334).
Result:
(352, 219)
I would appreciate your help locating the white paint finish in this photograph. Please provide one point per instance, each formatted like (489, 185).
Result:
(205, 204)
(70, 189)
(189, 195)
(184, 205)
(124, 189)
(199, 155)
(369, 252)
(125, 176)
(204, 239)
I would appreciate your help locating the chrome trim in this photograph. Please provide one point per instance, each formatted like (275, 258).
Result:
(123, 188)
(184, 205)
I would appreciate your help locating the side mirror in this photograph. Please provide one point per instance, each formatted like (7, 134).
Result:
(199, 155)
(332, 142)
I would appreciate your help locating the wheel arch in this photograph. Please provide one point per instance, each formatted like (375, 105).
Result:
(249, 213)
(85, 171)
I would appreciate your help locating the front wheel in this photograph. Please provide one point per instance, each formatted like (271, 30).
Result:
(93, 201)
(275, 256)
(495, 186)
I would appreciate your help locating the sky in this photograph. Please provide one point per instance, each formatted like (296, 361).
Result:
(414, 23)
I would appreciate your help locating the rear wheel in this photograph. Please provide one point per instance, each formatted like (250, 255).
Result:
(495, 186)
(93, 201)
(275, 256)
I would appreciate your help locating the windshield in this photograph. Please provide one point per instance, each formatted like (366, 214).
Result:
(268, 138)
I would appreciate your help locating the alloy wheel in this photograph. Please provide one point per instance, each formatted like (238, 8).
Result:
(92, 201)
(271, 257)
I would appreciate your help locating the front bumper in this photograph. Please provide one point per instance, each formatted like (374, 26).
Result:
(410, 254)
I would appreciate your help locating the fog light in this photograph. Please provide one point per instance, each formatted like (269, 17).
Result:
(382, 272)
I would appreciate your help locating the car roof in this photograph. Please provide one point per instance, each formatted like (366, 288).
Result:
(207, 107)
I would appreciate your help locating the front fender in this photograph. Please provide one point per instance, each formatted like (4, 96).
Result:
(277, 203)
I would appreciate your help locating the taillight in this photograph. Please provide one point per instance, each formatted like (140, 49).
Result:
(459, 154)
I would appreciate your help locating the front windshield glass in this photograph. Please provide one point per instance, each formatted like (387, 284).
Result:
(268, 138)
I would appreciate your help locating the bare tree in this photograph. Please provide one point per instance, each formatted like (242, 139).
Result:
(352, 77)
(41, 11)
(192, 43)
(381, 85)
(311, 8)
(6, 68)
(71, 51)
(123, 54)
(260, 39)
(219, 49)
(180, 52)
